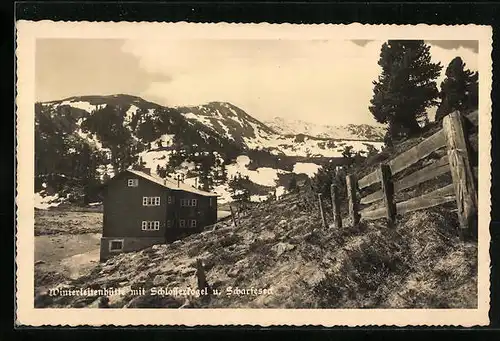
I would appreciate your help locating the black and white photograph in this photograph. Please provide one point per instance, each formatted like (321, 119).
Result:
(314, 173)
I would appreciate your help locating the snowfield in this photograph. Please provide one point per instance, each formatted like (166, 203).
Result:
(294, 127)
(263, 176)
(312, 147)
(291, 146)
(306, 168)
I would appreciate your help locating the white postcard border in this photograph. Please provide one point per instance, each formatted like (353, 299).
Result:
(26, 314)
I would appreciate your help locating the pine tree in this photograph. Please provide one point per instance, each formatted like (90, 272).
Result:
(292, 184)
(348, 152)
(89, 173)
(406, 86)
(371, 150)
(324, 178)
(459, 90)
(238, 188)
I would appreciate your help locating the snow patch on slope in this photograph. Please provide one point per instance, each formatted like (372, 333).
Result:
(44, 202)
(226, 131)
(203, 120)
(131, 112)
(92, 139)
(280, 191)
(80, 105)
(224, 194)
(105, 170)
(165, 140)
(155, 158)
(258, 198)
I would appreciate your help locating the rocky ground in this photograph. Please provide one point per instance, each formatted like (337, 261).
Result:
(281, 247)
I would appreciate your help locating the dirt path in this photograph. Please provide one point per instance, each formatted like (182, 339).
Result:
(223, 214)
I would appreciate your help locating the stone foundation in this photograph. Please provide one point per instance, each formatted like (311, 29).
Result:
(128, 244)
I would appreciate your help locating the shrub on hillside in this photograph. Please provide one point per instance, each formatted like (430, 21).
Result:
(324, 178)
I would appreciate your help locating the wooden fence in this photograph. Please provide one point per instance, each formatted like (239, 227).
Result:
(462, 190)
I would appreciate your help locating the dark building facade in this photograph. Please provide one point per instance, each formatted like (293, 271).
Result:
(141, 210)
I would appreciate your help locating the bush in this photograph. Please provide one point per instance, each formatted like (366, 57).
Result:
(324, 178)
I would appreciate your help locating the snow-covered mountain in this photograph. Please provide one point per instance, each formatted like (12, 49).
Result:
(348, 132)
(82, 141)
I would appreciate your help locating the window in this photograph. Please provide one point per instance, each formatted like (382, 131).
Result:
(193, 223)
(115, 245)
(171, 199)
(150, 201)
(182, 223)
(150, 225)
(210, 202)
(189, 202)
(169, 223)
(133, 182)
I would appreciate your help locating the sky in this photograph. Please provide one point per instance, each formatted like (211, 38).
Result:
(318, 81)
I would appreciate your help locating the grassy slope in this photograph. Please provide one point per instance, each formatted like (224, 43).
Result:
(278, 246)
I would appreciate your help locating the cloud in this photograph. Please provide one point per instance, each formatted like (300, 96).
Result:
(361, 42)
(472, 45)
(75, 67)
(319, 81)
(446, 55)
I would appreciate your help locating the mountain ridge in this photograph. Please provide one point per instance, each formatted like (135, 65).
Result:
(286, 126)
(91, 138)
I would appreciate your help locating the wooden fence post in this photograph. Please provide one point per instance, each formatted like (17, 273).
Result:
(388, 193)
(337, 219)
(353, 201)
(232, 215)
(321, 211)
(461, 172)
(201, 279)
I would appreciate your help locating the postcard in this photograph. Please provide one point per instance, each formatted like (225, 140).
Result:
(252, 174)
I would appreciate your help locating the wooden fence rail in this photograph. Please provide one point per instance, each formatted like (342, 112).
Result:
(462, 190)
